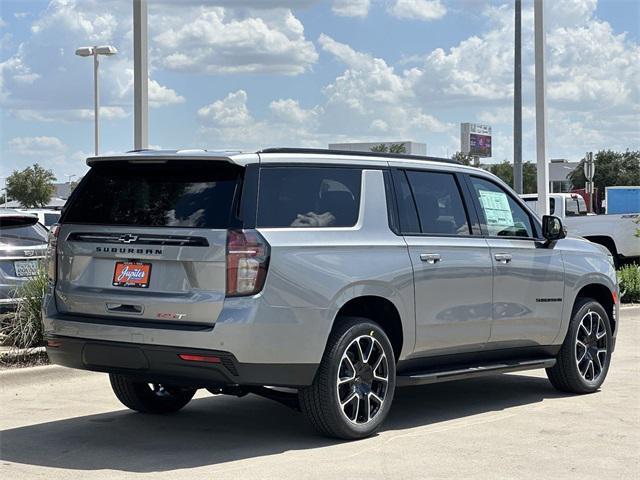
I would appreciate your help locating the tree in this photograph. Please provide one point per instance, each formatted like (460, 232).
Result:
(463, 158)
(32, 187)
(504, 171)
(389, 148)
(612, 169)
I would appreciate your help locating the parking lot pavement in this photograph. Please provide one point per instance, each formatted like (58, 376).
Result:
(61, 424)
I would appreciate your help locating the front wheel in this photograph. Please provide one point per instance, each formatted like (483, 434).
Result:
(583, 361)
(353, 389)
(150, 397)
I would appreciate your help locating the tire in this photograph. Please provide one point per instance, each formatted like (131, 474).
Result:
(363, 378)
(583, 361)
(149, 398)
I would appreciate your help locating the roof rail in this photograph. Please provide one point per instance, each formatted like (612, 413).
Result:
(326, 151)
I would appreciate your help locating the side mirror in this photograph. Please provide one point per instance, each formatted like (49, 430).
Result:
(552, 228)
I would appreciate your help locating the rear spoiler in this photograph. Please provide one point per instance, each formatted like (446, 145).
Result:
(159, 157)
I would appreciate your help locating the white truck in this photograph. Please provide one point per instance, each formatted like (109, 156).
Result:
(616, 232)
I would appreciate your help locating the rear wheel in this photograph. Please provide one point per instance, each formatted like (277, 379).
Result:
(353, 389)
(150, 397)
(583, 361)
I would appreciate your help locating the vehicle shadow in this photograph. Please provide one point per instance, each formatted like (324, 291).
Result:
(216, 430)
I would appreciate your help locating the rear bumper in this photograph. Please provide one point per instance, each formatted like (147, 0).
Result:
(161, 364)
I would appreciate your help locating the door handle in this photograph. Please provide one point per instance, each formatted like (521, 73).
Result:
(502, 257)
(430, 258)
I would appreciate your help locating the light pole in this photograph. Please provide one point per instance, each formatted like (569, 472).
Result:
(517, 100)
(94, 52)
(69, 176)
(541, 108)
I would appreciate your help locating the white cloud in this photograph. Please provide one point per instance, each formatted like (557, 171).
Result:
(31, 146)
(159, 95)
(231, 111)
(69, 115)
(351, 8)
(216, 41)
(289, 111)
(418, 9)
(2, 23)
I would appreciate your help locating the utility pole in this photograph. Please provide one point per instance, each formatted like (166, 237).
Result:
(541, 119)
(517, 101)
(140, 76)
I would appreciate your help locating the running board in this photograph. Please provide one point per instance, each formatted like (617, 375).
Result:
(422, 378)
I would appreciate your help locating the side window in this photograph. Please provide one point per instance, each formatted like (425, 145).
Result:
(439, 203)
(407, 215)
(308, 197)
(575, 206)
(503, 216)
(552, 206)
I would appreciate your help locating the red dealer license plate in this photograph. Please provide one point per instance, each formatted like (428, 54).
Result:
(132, 274)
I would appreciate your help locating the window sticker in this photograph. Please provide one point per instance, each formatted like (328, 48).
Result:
(496, 210)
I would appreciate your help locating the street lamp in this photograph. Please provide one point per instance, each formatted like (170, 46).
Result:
(69, 176)
(107, 50)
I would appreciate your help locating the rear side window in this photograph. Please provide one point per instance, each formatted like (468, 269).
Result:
(308, 197)
(439, 203)
(189, 194)
(51, 218)
(575, 206)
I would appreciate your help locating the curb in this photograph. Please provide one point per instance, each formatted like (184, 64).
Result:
(633, 306)
(16, 377)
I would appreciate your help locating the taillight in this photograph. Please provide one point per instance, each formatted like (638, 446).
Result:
(247, 262)
(52, 257)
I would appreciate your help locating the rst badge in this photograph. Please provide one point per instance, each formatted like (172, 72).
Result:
(132, 274)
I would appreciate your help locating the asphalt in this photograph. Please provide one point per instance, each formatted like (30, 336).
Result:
(57, 424)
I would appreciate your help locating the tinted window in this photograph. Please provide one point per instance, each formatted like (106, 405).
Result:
(532, 203)
(51, 218)
(21, 231)
(503, 217)
(176, 194)
(439, 203)
(407, 214)
(575, 206)
(308, 197)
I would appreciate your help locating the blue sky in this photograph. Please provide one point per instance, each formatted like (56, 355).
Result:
(257, 73)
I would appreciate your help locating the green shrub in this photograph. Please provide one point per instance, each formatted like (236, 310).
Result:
(24, 329)
(629, 281)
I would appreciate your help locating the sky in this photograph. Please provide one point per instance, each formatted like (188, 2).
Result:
(250, 74)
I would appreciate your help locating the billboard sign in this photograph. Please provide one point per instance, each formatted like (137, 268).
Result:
(475, 139)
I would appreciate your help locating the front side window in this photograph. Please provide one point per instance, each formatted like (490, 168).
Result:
(301, 197)
(503, 217)
(439, 203)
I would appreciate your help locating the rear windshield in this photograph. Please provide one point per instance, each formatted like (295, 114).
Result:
(190, 194)
(21, 231)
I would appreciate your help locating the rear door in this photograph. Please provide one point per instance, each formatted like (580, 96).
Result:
(148, 241)
(451, 262)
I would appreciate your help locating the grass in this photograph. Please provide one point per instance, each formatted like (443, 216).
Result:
(629, 281)
(23, 329)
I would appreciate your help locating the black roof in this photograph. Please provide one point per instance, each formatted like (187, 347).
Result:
(326, 151)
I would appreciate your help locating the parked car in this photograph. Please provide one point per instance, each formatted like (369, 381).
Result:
(46, 217)
(23, 244)
(615, 232)
(340, 275)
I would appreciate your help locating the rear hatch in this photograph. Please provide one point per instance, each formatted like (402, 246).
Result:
(22, 249)
(147, 241)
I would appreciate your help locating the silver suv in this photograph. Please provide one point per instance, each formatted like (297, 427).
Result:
(321, 279)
